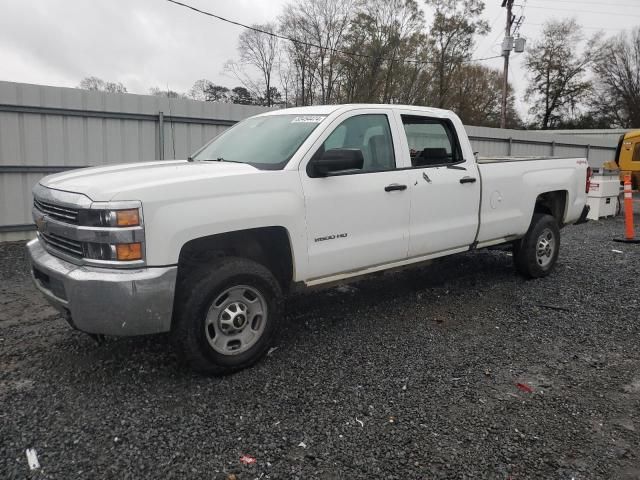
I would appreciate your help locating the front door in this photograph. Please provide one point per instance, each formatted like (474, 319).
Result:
(445, 196)
(358, 219)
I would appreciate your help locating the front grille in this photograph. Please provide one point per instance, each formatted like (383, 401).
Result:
(64, 245)
(63, 214)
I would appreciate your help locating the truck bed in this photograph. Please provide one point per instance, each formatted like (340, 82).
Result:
(510, 186)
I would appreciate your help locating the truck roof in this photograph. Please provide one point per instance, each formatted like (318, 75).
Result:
(329, 109)
(632, 134)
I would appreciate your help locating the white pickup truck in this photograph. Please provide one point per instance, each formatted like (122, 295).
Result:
(206, 248)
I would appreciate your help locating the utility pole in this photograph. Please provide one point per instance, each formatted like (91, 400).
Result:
(506, 50)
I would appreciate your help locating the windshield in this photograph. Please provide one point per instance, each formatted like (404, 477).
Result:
(266, 142)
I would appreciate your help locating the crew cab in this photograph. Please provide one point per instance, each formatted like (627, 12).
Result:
(207, 248)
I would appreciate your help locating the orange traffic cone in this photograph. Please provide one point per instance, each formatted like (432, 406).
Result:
(629, 236)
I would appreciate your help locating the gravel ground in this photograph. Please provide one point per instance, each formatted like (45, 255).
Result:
(408, 375)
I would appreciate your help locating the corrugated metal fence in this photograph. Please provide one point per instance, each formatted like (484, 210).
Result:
(491, 142)
(50, 129)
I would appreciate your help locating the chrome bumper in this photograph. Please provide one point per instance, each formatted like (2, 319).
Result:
(103, 300)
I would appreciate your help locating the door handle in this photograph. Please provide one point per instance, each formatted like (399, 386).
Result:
(394, 186)
(467, 180)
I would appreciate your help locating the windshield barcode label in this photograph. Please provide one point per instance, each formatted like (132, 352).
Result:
(307, 119)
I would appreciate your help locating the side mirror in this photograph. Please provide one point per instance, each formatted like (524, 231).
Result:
(336, 160)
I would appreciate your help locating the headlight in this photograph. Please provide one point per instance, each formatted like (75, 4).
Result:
(115, 234)
(129, 217)
(129, 251)
(121, 252)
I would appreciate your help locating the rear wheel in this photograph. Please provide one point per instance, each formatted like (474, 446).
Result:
(536, 254)
(228, 316)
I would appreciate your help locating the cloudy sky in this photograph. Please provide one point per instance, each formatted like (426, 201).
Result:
(153, 43)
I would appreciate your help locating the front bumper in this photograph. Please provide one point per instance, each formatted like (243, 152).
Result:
(102, 300)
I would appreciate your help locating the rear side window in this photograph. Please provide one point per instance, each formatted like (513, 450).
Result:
(369, 133)
(432, 142)
(636, 153)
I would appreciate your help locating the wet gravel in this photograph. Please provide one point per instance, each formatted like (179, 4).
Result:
(457, 370)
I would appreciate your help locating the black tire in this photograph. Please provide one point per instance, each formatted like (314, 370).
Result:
(525, 251)
(191, 332)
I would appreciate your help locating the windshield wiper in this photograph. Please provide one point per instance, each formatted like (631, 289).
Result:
(219, 159)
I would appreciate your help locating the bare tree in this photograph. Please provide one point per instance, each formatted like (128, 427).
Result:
(158, 92)
(617, 80)
(299, 54)
(476, 95)
(327, 21)
(206, 91)
(557, 83)
(286, 75)
(382, 38)
(92, 83)
(99, 85)
(115, 87)
(199, 89)
(258, 50)
(322, 23)
(455, 25)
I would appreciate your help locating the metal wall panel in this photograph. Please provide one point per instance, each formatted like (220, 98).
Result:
(495, 141)
(489, 148)
(42, 128)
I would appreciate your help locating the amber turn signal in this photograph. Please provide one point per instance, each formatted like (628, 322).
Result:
(127, 218)
(129, 251)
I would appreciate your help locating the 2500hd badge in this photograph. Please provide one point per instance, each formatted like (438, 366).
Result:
(331, 237)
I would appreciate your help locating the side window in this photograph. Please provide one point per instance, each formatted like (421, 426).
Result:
(636, 153)
(370, 134)
(431, 141)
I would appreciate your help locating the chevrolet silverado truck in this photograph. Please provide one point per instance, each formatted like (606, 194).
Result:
(207, 248)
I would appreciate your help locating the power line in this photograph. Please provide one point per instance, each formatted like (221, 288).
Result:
(583, 2)
(309, 44)
(520, 19)
(493, 23)
(586, 27)
(573, 10)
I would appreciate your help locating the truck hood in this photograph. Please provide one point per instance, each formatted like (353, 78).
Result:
(104, 183)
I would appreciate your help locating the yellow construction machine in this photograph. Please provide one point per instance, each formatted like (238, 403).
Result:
(627, 158)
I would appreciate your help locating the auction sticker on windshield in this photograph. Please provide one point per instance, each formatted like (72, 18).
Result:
(308, 119)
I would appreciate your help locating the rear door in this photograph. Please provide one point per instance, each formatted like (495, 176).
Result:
(358, 219)
(445, 186)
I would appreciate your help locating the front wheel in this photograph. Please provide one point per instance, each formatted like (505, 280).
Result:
(228, 316)
(536, 254)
